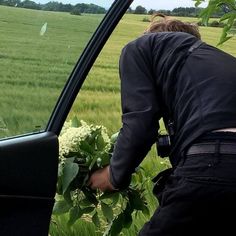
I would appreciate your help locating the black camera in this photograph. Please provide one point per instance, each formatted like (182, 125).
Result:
(163, 143)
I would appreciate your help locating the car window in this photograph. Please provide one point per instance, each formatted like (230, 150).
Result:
(39, 47)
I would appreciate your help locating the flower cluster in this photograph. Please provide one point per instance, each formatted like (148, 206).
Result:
(77, 136)
(82, 148)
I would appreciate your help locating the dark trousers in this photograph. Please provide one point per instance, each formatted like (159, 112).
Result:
(199, 198)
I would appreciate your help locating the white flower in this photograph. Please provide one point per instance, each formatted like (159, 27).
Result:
(71, 138)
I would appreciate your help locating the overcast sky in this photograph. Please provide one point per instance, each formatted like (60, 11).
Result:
(148, 4)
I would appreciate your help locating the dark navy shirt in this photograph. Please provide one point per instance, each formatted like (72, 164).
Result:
(161, 78)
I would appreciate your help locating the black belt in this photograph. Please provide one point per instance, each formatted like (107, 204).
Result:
(211, 148)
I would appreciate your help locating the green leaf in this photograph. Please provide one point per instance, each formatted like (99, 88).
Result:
(101, 144)
(87, 210)
(70, 171)
(59, 186)
(75, 122)
(127, 219)
(107, 211)
(60, 169)
(136, 200)
(114, 137)
(224, 36)
(91, 139)
(226, 16)
(198, 2)
(90, 195)
(213, 7)
(145, 210)
(67, 197)
(208, 11)
(105, 159)
(86, 147)
(117, 225)
(223, 40)
(93, 162)
(115, 198)
(61, 207)
(96, 220)
(75, 214)
(111, 196)
(84, 202)
(70, 160)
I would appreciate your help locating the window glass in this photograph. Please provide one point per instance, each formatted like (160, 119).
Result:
(39, 46)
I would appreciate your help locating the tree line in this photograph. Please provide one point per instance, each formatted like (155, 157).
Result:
(56, 6)
(179, 11)
(95, 9)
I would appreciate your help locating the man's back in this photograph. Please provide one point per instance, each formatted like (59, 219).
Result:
(205, 97)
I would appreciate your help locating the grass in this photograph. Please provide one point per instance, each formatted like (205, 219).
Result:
(34, 69)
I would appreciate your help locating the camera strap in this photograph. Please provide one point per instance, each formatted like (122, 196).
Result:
(196, 45)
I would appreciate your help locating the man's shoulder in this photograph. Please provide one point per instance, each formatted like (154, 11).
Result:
(159, 37)
(145, 40)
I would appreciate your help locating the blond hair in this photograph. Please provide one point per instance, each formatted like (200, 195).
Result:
(171, 25)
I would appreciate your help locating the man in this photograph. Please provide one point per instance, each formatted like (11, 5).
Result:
(170, 73)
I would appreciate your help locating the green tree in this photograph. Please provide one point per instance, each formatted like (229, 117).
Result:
(151, 12)
(165, 12)
(75, 11)
(186, 11)
(228, 9)
(51, 6)
(65, 7)
(140, 10)
(89, 8)
(10, 2)
(30, 5)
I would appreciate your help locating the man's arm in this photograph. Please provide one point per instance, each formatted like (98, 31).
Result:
(140, 109)
(141, 113)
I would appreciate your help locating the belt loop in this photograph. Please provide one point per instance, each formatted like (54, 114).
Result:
(183, 157)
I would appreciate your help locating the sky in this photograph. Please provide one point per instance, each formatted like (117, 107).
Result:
(148, 4)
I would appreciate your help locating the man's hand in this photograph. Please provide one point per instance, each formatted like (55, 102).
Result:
(100, 179)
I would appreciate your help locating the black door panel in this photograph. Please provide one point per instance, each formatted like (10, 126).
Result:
(28, 176)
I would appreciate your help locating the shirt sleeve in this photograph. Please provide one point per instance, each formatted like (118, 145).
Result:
(140, 113)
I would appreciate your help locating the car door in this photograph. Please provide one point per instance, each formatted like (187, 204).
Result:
(30, 117)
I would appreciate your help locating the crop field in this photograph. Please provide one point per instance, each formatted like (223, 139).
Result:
(35, 66)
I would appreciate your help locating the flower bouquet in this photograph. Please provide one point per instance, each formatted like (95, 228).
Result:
(85, 148)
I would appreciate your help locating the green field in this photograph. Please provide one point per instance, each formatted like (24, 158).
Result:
(34, 69)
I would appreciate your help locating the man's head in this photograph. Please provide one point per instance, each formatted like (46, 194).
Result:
(171, 25)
